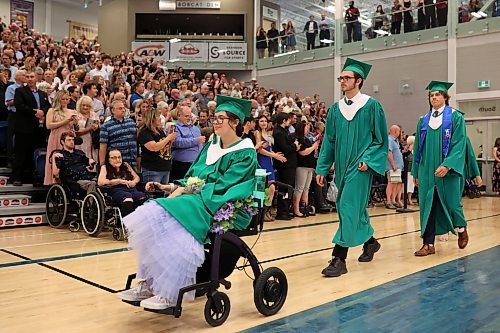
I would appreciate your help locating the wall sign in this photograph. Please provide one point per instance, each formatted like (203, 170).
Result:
(157, 50)
(198, 4)
(227, 52)
(190, 51)
(270, 13)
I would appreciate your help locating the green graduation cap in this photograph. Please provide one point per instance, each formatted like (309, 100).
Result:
(439, 86)
(240, 107)
(362, 68)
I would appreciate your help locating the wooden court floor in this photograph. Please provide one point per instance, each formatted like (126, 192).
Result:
(57, 281)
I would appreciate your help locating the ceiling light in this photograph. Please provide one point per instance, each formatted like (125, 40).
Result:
(327, 41)
(174, 40)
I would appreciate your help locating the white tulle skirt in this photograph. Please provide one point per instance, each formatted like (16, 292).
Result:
(168, 255)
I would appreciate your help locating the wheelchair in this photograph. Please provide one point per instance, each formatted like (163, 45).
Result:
(270, 285)
(94, 212)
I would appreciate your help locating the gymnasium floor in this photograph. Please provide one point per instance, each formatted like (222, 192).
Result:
(57, 281)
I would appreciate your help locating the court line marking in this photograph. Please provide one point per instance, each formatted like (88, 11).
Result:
(125, 249)
(41, 263)
(58, 242)
(60, 271)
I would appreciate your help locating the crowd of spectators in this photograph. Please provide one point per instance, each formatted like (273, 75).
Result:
(157, 118)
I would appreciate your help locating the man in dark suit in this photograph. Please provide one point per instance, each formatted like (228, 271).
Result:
(31, 107)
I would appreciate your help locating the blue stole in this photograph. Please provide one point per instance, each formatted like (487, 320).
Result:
(446, 130)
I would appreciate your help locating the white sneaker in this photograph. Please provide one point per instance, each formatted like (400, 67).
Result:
(140, 292)
(156, 303)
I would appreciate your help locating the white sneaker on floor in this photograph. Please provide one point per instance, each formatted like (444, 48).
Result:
(156, 303)
(140, 292)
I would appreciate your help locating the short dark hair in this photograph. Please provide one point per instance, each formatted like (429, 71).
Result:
(282, 117)
(64, 135)
(358, 76)
(88, 86)
(248, 119)
(71, 89)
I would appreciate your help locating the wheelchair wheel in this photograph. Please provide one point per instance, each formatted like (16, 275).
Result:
(56, 206)
(217, 309)
(270, 290)
(118, 234)
(92, 214)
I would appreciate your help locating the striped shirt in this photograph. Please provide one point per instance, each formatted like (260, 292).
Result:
(122, 136)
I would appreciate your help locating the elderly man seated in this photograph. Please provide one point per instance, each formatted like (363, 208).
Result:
(71, 165)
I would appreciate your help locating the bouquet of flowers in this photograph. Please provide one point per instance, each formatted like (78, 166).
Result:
(194, 185)
(225, 215)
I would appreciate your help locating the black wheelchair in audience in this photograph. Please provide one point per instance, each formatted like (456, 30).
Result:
(68, 203)
(221, 256)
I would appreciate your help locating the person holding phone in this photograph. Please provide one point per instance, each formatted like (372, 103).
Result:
(88, 123)
(156, 158)
(59, 120)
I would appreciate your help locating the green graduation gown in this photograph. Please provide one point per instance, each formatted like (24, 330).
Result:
(350, 140)
(471, 168)
(449, 213)
(231, 177)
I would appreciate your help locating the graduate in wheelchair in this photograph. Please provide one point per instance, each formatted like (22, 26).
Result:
(170, 234)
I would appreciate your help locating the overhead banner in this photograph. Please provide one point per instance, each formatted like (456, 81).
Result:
(228, 52)
(190, 51)
(21, 13)
(77, 29)
(157, 50)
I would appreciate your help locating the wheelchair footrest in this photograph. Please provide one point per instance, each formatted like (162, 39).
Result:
(134, 303)
(168, 311)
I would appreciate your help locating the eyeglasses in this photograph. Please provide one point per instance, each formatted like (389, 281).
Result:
(218, 120)
(344, 78)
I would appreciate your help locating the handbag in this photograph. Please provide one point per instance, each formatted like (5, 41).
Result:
(395, 176)
(332, 193)
(95, 135)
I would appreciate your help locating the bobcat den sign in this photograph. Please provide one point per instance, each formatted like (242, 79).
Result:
(198, 4)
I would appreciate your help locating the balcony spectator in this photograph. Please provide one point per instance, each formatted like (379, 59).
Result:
(430, 14)
(408, 16)
(291, 41)
(273, 35)
(397, 17)
(378, 18)
(283, 37)
(261, 42)
(311, 30)
(421, 14)
(442, 12)
(352, 23)
(324, 30)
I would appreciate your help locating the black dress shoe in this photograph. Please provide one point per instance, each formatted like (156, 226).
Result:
(336, 268)
(283, 217)
(292, 215)
(17, 183)
(368, 251)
